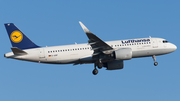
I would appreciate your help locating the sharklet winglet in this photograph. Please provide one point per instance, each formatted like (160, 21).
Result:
(84, 27)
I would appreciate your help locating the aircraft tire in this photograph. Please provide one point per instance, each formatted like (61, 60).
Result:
(100, 65)
(155, 63)
(95, 71)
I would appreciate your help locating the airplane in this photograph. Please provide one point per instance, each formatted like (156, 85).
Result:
(109, 55)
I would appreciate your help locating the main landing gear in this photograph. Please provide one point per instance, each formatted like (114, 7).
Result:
(99, 65)
(95, 71)
(154, 58)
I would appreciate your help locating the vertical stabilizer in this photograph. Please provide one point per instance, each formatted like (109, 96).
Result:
(18, 39)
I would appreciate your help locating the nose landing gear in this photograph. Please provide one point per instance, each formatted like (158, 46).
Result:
(154, 59)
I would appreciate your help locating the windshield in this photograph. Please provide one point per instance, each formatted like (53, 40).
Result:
(165, 41)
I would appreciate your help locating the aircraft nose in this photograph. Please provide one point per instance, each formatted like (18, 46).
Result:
(174, 47)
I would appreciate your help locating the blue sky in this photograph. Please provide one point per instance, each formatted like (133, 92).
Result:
(55, 22)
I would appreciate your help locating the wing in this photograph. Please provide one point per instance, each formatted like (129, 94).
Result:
(96, 43)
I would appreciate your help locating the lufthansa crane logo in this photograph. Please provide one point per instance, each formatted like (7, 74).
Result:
(16, 36)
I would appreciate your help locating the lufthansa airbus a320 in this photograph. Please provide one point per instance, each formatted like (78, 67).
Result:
(109, 55)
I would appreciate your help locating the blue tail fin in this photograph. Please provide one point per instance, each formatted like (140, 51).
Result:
(18, 38)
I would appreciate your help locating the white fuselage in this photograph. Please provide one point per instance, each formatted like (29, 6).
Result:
(83, 53)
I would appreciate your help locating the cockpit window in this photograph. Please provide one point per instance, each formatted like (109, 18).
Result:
(165, 41)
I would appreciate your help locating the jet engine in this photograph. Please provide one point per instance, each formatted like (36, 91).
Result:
(123, 54)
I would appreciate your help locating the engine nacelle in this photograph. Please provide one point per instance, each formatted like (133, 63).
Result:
(123, 54)
(113, 65)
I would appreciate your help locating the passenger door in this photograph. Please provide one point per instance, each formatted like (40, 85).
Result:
(154, 43)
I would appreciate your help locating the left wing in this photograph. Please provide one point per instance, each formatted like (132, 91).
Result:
(96, 43)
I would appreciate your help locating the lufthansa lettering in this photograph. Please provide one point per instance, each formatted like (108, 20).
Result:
(133, 41)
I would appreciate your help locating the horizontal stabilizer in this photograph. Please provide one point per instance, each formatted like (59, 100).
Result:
(18, 51)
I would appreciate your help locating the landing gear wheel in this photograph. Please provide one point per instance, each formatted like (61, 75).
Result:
(155, 63)
(100, 65)
(95, 71)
